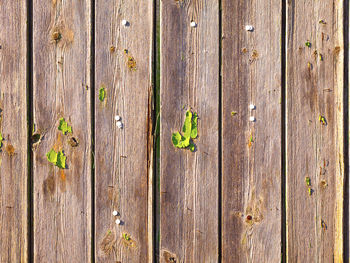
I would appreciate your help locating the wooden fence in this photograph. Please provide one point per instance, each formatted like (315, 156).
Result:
(265, 179)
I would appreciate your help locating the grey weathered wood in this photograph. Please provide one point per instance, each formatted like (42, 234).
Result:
(13, 127)
(189, 180)
(314, 150)
(61, 65)
(123, 156)
(251, 151)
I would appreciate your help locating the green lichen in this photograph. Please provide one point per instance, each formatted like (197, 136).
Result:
(310, 191)
(1, 139)
(126, 236)
(52, 156)
(308, 43)
(61, 160)
(194, 128)
(189, 132)
(64, 127)
(322, 120)
(233, 113)
(178, 140)
(308, 181)
(187, 127)
(57, 158)
(192, 147)
(102, 94)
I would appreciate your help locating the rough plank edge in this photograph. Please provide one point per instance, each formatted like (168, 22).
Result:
(338, 244)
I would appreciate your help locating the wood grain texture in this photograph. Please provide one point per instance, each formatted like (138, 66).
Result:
(13, 127)
(123, 156)
(314, 149)
(189, 180)
(61, 76)
(251, 151)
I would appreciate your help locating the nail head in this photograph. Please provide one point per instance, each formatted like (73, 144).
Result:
(249, 28)
(119, 124)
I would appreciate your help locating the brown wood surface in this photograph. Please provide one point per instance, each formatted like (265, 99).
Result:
(251, 151)
(243, 169)
(13, 127)
(61, 76)
(189, 180)
(123, 156)
(314, 149)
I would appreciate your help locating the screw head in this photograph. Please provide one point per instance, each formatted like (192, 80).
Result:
(115, 213)
(117, 118)
(193, 24)
(118, 222)
(252, 118)
(124, 22)
(252, 106)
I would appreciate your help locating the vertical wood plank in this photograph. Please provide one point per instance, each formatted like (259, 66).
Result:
(314, 145)
(61, 65)
(123, 156)
(251, 151)
(189, 180)
(13, 127)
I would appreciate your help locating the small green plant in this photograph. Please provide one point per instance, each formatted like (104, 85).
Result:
(102, 93)
(64, 127)
(308, 43)
(189, 132)
(57, 158)
(233, 113)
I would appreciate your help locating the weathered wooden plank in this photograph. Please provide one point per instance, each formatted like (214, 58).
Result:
(251, 151)
(189, 180)
(123, 156)
(61, 79)
(13, 127)
(314, 131)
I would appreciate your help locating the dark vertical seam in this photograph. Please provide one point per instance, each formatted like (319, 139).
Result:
(156, 181)
(346, 132)
(29, 98)
(220, 139)
(283, 133)
(92, 103)
(155, 84)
